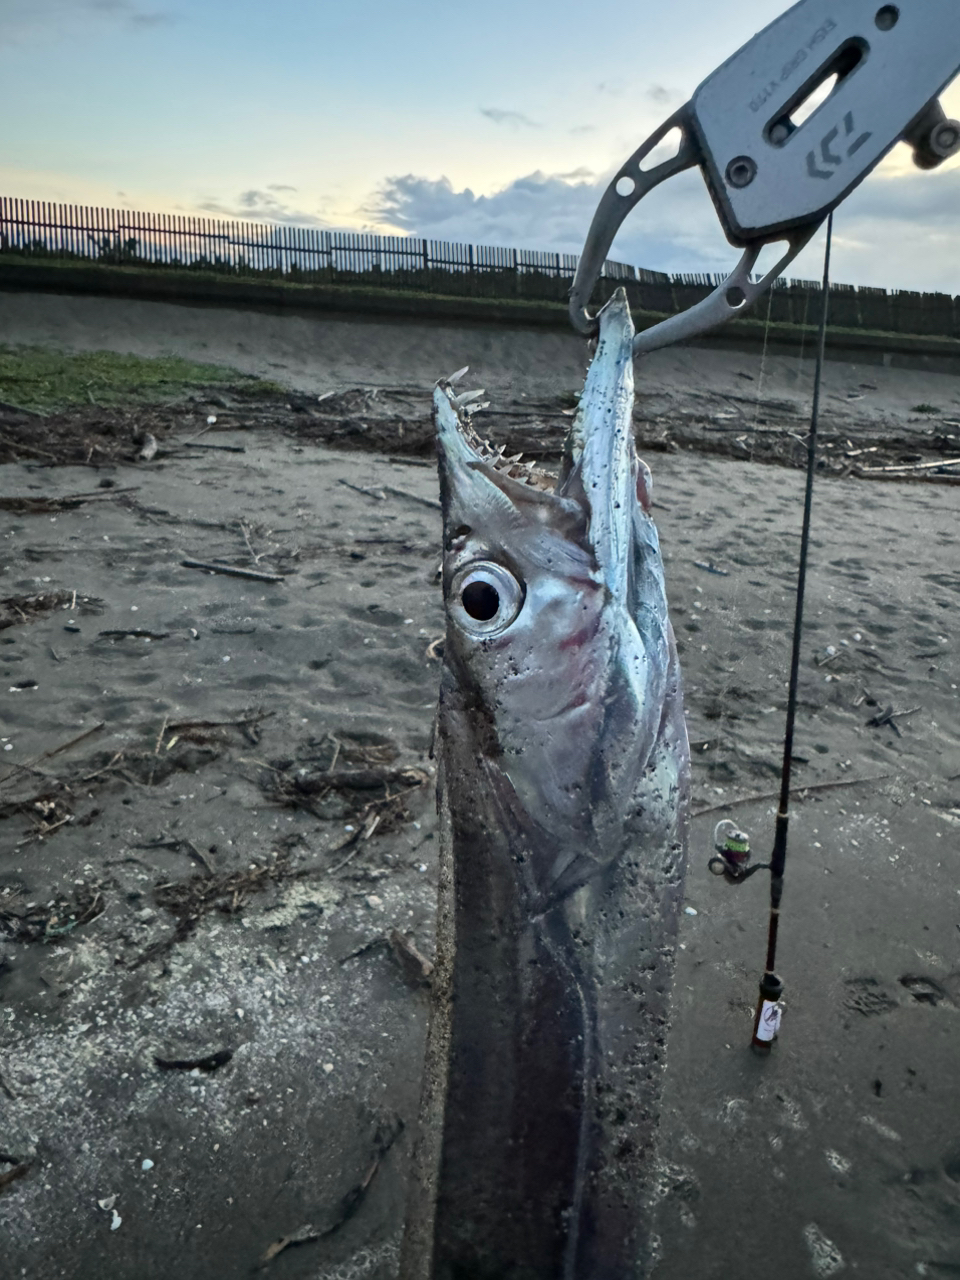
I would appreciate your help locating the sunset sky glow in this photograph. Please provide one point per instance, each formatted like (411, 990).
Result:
(497, 124)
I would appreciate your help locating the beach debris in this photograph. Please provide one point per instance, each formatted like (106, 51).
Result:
(188, 901)
(233, 571)
(180, 842)
(798, 793)
(387, 1131)
(40, 506)
(149, 448)
(204, 1062)
(709, 567)
(62, 915)
(115, 1221)
(134, 632)
(107, 1202)
(146, 1165)
(10, 1176)
(71, 742)
(223, 448)
(364, 489)
(889, 717)
(417, 969)
(28, 608)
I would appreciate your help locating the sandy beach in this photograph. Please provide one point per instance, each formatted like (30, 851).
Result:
(217, 834)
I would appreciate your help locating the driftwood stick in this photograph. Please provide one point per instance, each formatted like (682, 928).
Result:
(799, 792)
(908, 467)
(65, 746)
(233, 572)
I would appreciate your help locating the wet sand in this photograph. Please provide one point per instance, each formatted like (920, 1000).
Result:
(184, 884)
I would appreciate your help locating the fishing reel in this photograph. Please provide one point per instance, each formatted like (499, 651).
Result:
(732, 857)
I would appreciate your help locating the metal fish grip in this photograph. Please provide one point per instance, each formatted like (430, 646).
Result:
(774, 172)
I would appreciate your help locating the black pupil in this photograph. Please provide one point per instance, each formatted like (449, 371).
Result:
(481, 601)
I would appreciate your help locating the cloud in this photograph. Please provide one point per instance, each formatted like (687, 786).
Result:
(262, 206)
(546, 211)
(660, 95)
(584, 128)
(515, 119)
(24, 20)
(895, 231)
(901, 231)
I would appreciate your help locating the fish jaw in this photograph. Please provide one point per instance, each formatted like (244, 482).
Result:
(570, 680)
(601, 460)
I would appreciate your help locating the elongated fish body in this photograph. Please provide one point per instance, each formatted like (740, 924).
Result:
(562, 792)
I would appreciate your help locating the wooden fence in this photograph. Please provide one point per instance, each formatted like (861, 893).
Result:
(73, 233)
(127, 238)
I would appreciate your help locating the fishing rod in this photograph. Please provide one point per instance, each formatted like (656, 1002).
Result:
(732, 859)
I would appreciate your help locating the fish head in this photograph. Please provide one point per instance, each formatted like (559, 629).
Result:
(557, 630)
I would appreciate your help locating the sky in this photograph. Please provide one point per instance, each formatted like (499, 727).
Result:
(499, 123)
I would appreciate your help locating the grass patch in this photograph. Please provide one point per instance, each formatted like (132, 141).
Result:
(924, 408)
(44, 380)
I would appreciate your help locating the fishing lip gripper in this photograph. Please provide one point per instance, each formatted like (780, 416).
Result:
(773, 175)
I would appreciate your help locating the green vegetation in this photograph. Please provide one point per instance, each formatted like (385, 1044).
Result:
(45, 380)
(924, 408)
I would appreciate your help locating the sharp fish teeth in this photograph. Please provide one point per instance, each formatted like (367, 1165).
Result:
(455, 377)
(467, 397)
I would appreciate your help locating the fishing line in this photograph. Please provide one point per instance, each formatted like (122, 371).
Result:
(767, 1019)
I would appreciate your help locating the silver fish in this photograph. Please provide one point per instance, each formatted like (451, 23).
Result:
(563, 782)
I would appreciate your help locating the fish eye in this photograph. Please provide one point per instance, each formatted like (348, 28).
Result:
(485, 598)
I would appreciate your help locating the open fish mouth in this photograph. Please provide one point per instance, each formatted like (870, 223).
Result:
(602, 487)
(556, 609)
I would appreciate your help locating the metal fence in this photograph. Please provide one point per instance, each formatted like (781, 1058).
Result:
(307, 255)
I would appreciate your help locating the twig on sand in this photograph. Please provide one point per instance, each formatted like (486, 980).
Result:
(135, 632)
(387, 1132)
(233, 572)
(367, 492)
(908, 468)
(109, 765)
(710, 567)
(246, 537)
(71, 742)
(356, 840)
(890, 717)
(225, 448)
(799, 792)
(19, 447)
(432, 503)
(200, 856)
